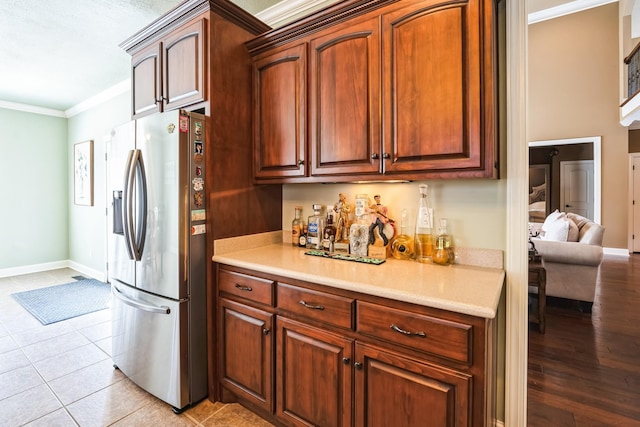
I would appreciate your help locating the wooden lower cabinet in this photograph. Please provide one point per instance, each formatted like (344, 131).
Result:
(393, 390)
(302, 354)
(246, 352)
(314, 380)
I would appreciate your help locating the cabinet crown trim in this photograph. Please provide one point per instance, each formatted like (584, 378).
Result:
(338, 12)
(190, 9)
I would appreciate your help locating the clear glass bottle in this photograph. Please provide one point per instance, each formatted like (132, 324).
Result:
(315, 228)
(402, 244)
(296, 227)
(423, 239)
(329, 234)
(359, 230)
(443, 250)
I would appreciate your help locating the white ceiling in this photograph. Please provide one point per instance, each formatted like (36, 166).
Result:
(59, 53)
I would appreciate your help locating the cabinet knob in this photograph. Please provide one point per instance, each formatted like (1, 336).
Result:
(358, 365)
(346, 360)
(375, 156)
(265, 331)
(386, 156)
(300, 162)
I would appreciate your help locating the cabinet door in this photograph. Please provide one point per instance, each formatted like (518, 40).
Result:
(314, 376)
(184, 66)
(393, 390)
(280, 99)
(146, 83)
(433, 93)
(344, 99)
(246, 359)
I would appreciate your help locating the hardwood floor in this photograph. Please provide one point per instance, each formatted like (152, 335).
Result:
(585, 370)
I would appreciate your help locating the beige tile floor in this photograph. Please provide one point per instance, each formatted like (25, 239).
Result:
(62, 375)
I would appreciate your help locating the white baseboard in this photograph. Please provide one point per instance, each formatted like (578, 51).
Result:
(37, 268)
(34, 268)
(616, 251)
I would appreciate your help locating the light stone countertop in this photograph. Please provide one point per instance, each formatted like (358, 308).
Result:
(459, 288)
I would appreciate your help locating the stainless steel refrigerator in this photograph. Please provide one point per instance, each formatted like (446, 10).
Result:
(157, 255)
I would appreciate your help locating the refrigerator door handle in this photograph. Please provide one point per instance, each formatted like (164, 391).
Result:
(141, 229)
(127, 221)
(136, 304)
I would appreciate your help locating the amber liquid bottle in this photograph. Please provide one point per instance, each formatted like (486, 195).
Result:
(296, 227)
(402, 244)
(443, 249)
(424, 228)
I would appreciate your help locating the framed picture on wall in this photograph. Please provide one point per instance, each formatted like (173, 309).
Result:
(83, 173)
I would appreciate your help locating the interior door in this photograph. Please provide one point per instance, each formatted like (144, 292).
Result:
(576, 187)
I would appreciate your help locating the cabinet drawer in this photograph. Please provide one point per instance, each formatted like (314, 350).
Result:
(249, 287)
(327, 308)
(443, 338)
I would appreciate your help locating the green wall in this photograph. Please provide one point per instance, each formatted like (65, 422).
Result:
(34, 189)
(88, 224)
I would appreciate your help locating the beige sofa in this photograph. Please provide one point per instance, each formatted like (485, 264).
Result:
(572, 266)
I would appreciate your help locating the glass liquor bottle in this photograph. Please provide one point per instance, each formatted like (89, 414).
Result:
(402, 244)
(423, 239)
(302, 240)
(329, 234)
(443, 250)
(296, 227)
(359, 231)
(315, 228)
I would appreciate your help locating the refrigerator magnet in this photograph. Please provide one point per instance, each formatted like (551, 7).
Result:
(198, 229)
(197, 147)
(198, 158)
(184, 124)
(198, 215)
(198, 199)
(198, 184)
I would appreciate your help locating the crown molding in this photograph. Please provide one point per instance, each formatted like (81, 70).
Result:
(31, 109)
(287, 10)
(100, 98)
(565, 9)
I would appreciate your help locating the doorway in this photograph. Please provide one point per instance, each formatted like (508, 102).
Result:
(553, 149)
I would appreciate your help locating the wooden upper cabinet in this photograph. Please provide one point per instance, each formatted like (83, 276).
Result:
(344, 99)
(184, 71)
(398, 89)
(170, 73)
(434, 58)
(146, 78)
(280, 87)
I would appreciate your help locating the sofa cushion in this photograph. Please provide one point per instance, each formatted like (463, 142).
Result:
(592, 234)
(557, 230)
(549, 220)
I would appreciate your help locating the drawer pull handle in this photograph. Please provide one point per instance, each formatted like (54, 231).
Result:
(313, 307)
(402, 331)
(244, 288)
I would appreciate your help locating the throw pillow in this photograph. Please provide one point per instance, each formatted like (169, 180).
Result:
(574, 232)
(558, 230)
(550, 219)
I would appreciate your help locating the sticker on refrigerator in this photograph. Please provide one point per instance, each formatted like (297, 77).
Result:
(184, 124)
(198, 215)
(198, 184)
(197, 147)
(198, 229)
(198, 199)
